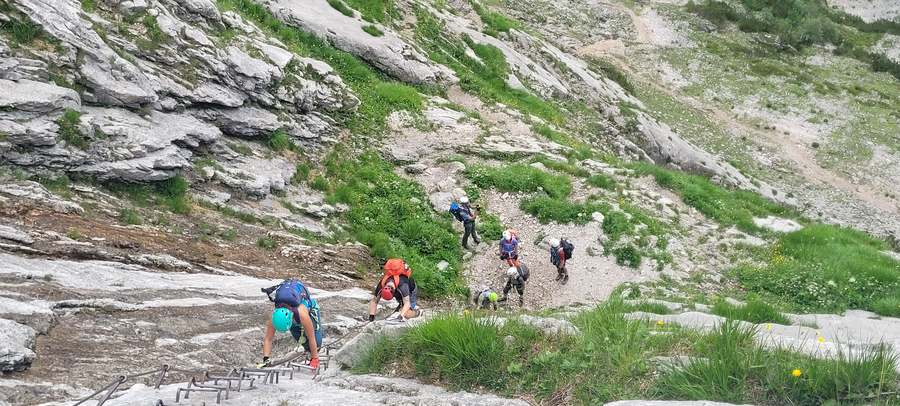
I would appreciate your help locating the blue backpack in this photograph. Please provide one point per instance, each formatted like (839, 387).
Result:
(457, 212)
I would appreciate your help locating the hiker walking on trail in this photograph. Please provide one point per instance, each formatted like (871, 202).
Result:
(509, 248)
(469, 214)
(515, 279)
(558, 258)
(484, 297)
(396, 283)
(297, 312)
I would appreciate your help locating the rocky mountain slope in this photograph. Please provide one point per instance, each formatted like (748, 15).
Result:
(99, 280)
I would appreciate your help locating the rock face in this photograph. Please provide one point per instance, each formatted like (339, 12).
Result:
(387, 52)
(15, 342)
(187, 86)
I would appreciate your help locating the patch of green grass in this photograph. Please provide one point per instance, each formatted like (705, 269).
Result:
(279, 141)
(302, 174)
(266, 243)
(75, 234)
(18, 27)
(755, 311)
(372, 30)
(169, 193)
(602, 181)
(130, 217)
(389, 214)
(56, 184)
(647, 307)
(240, 149)
(494, 21)
(88, 5)
(340, 6)
(562, 167)
(320, 184)
(547, 209)
(823, 268)
(378, 10)
(730, 367)
(519, 178)
(69, 132)
(612, 72)
(489, 227)
(727, 207)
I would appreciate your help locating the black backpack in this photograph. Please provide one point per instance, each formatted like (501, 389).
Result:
(567, 248)
(457, 212)
(524, 273)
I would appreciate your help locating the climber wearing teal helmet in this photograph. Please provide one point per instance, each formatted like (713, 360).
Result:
(297, 312)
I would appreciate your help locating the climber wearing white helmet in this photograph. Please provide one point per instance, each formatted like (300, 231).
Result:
(558, 258)
(516, 277)
(469, 214)
(509, 248)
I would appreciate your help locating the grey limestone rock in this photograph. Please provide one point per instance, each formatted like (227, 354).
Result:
(387, 52)
(16, 341)
(16, 235)
(37, 97)
(113, 80)
(33, 192)
(549, 325)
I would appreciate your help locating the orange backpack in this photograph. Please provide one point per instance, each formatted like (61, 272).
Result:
(394, 268)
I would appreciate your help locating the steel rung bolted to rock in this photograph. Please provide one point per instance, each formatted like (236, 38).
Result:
(233, 376)
(193, 386)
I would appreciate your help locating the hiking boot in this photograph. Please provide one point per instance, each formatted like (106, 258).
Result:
(559, 276)
(565, 279)
(502, 299)
(466, 247)
(521, 301)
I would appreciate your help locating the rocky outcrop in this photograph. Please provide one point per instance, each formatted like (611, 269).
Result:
(179, 69)
(388, 52)
(668, 149)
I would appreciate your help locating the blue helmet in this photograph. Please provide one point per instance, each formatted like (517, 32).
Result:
(282, 319)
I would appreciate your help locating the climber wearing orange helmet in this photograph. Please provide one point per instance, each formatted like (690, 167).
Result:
(396, 283)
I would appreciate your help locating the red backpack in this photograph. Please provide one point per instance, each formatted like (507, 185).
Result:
(394, 268)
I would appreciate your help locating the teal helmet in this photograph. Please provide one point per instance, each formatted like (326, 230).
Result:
(282, 319)
(493, 296)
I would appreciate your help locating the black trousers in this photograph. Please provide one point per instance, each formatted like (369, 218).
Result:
(470, 230)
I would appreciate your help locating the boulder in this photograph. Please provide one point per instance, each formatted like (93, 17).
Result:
(16, 341)
(549, 325)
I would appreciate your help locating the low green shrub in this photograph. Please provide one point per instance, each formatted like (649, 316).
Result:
(519, 178)
(69, 132)
(279, 141)
(602, 181)
(546, 209)
(266, 243)
(628, 255)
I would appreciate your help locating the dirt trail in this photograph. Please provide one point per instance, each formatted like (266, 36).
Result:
(792, 151)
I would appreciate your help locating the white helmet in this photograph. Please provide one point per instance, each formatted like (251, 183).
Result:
(507, 235)
(464, 199)
(512, 271)
(554, 242)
